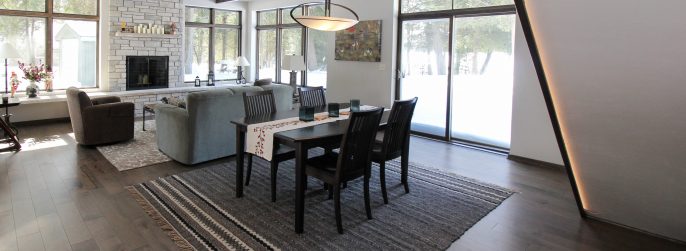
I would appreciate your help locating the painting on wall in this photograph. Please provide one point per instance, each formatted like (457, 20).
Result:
(361, 42)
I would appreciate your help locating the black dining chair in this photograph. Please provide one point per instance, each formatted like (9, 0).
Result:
(352, 161)
(395, 143)
(263, 103)
(312, 96)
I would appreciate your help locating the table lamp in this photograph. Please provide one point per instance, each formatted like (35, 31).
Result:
(242, 62)
(8, 51)
(294, 64)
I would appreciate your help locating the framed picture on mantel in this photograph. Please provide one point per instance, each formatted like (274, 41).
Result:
(361, 42)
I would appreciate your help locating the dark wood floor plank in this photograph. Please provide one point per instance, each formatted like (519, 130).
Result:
(96, 213)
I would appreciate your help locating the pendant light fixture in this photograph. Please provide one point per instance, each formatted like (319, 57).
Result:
(326, 22)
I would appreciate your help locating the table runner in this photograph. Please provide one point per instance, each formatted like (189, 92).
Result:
(260, 137)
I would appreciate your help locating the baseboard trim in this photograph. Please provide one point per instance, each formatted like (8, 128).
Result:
(533, 162)
(641, 231)
(41, 122)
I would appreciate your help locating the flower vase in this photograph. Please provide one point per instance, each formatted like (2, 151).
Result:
(32, 90)
(14, 90)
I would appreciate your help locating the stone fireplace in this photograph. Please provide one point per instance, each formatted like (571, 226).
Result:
(123, 47)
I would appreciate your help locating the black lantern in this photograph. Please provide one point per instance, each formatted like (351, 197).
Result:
(197, 81)
(210, 79)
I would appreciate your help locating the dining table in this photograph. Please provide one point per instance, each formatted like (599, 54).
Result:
(302, 140)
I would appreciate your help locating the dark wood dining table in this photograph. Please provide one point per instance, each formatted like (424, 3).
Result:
(301, 140)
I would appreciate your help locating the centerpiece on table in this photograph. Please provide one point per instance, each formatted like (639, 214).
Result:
(33, 73)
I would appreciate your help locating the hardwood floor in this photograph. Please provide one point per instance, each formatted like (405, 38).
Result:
(55, 195)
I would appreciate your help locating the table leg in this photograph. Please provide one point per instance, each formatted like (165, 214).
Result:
(240, 149)
(300, 181)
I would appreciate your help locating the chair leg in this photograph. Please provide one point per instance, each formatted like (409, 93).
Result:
(249, 171)
(382, 179)
(367, 204)
(275, 169)
(337, 207)
(330, 188)
(403, 171)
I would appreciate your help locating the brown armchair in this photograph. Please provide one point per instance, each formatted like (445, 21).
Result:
(100, 120)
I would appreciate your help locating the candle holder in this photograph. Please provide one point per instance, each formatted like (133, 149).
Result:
(306, 113)
(334, 109)
(354, 105)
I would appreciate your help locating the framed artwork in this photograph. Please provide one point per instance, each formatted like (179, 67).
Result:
(361, 42)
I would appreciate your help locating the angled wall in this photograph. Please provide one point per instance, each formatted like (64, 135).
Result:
(616, 71)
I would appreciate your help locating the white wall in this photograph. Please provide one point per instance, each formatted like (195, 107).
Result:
(616, 68)
(532, 132)
(372, 83)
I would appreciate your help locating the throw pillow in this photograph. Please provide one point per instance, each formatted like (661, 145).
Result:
(175, 101)
(263, 82)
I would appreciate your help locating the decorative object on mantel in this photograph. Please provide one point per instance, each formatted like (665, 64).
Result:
(325, 22)
(294, 64)
(242, 62)
(361, 42)
(210, 78)
(8, 51)
(197, 81)
(172, 28)
(14, 84)
(33, 73)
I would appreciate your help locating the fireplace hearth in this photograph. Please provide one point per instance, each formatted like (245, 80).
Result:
(147, 72)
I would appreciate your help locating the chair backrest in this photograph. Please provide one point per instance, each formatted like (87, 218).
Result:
(77, 101)
(398, 127)
(356, 146)
(261, 102)
(312, 96)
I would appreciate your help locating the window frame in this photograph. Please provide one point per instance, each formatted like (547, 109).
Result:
(50, 16)
(279, 27)
(213, 26)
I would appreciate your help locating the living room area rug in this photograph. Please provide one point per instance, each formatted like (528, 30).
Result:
(199, 211)
(138, 152)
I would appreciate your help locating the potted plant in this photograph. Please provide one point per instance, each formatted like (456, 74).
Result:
(33, 73)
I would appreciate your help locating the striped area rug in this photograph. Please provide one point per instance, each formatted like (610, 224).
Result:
(199, 210)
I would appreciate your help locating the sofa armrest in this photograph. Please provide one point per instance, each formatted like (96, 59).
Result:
(173, 132)
(105, 100)
(108, 111)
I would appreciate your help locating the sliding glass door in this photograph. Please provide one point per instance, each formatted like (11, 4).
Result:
(461, 68)
(424, 72)
(482, 71)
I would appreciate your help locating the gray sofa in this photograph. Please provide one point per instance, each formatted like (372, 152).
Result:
(203, 131)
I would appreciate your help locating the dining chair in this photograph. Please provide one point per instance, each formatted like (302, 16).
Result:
(351, 162)
(263, 103)
(395, 143)
(312, 96)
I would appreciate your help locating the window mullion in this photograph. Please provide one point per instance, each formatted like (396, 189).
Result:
(48, 33)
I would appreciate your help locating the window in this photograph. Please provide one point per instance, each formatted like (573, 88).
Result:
(70, 51)
(212, 43)
(462, 50)
(412, 6)
(279, 35)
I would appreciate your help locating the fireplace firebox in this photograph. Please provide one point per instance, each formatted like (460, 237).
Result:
(147, 72)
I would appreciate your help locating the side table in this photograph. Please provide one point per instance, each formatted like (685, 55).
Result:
(148, 108)
(10, 131)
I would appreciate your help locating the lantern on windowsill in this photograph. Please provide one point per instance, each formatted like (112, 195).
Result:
(210, 79)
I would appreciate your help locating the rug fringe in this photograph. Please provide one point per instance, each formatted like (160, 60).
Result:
(182, 243)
